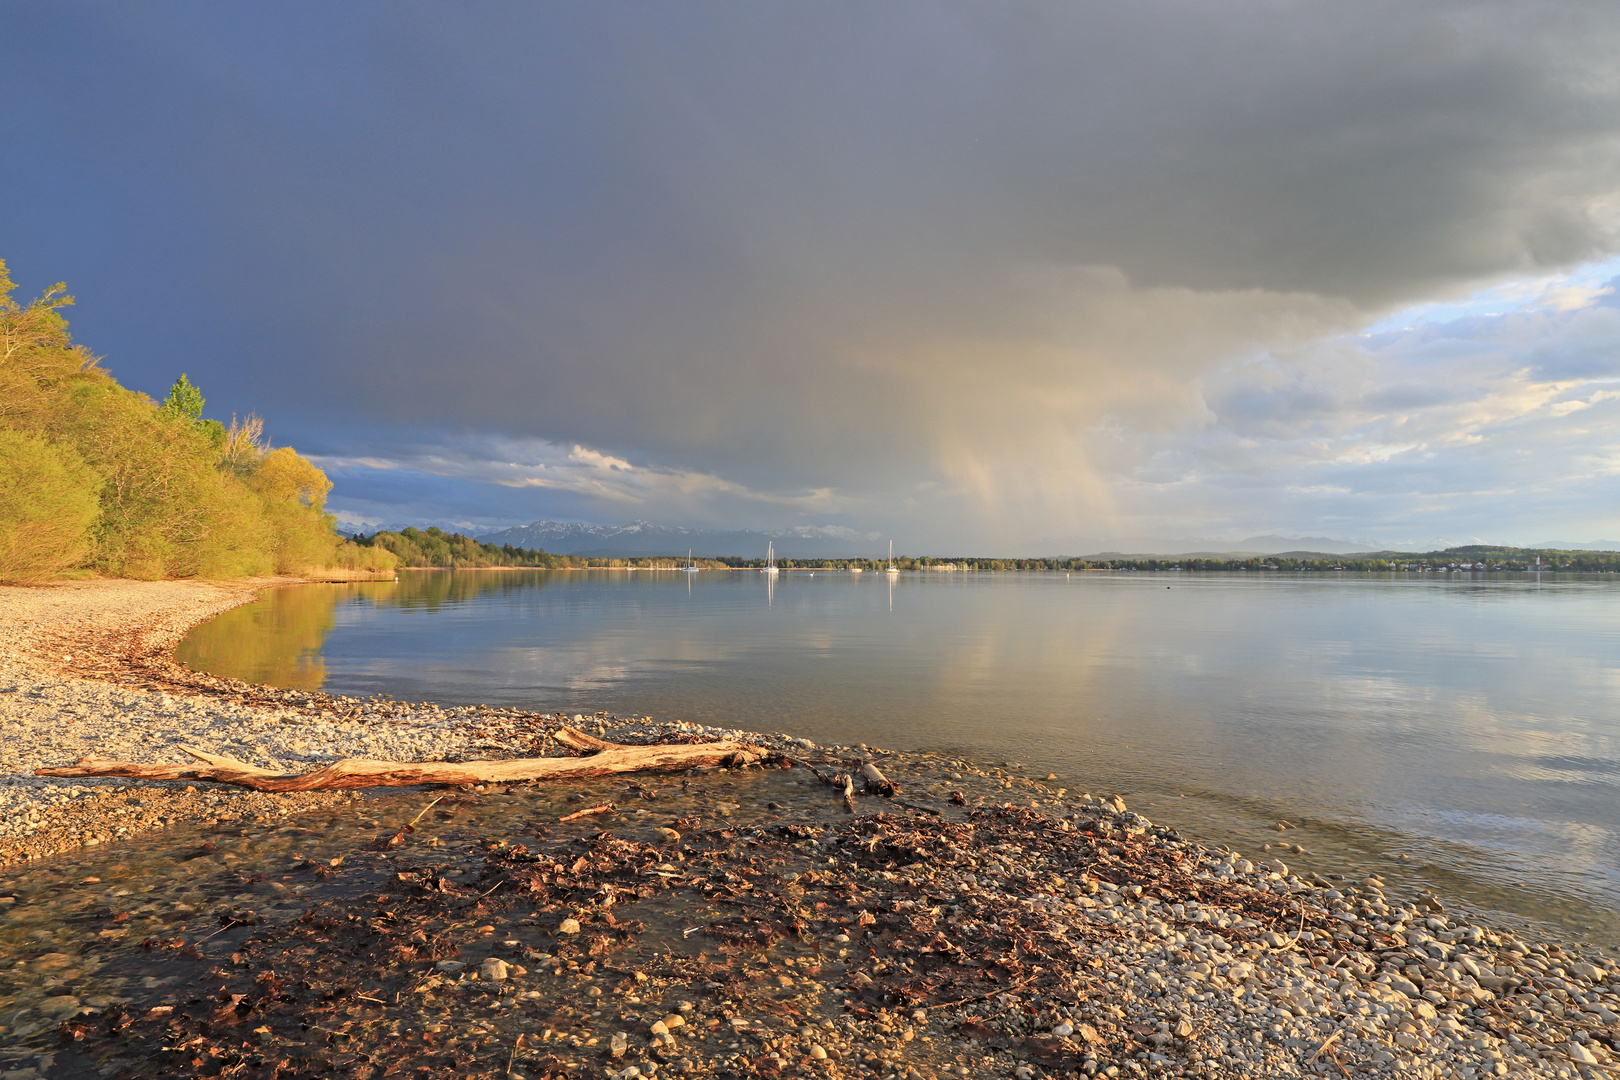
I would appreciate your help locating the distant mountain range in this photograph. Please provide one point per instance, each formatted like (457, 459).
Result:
(357, 528)
(1570, 545)
(1275, 545)
(643, 538)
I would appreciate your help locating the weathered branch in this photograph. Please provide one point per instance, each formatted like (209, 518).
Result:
(575, 739)
(360, 773)
(876, 781)
(847, 783)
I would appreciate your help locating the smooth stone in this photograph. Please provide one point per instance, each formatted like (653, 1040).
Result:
(494, 969)
(63, 1005)
(568, 926)
(1404, 985)
(450, 967)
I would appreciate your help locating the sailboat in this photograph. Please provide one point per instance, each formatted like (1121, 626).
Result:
(893, 569)
(770, 560)
(690, 567)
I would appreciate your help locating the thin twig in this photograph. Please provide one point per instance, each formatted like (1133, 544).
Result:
(425, 809)
(1325, 1044)
(1293, 941)
(983, 997)
(228, 925)
(588, 811)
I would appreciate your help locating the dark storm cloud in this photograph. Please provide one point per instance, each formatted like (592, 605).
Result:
(894, 251)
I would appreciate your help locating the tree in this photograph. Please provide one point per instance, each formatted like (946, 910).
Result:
(172, 494)
(49, 500)
(184, 400)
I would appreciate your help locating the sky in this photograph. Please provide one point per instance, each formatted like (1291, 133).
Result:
(1011, 278)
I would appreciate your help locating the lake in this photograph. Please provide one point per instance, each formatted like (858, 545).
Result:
(1451, 732)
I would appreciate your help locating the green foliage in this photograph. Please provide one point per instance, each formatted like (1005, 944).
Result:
(165, 510)
(435, 547)
(185, 402)
(293, 492)
(48, 505)
(353, 556)
(174, 495)
(214, 432)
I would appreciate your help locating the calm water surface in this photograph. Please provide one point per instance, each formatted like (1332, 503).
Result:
(1456, 733)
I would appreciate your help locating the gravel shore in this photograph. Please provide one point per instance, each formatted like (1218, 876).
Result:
(87, 669)
(981, 924)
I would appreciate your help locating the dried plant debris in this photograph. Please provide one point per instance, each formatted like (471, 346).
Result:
(1076, 939)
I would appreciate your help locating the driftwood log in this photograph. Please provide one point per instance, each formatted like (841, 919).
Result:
(604, 759)
(876, 781)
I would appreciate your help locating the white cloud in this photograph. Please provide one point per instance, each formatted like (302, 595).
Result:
(1468, 419)
(612, 481)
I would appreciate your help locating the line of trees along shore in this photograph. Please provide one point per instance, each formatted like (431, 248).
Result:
(1473, 557)
(96, 478)
(434, 548)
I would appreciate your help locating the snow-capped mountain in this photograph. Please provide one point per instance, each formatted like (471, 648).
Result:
(641, 538)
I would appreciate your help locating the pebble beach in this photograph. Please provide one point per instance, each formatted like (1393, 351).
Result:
(980, 922)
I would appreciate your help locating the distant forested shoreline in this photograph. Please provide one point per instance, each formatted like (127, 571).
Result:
(1471, 557)
(435, 548)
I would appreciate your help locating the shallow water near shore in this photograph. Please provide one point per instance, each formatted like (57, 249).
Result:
(84, 930)
(1456, 733)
